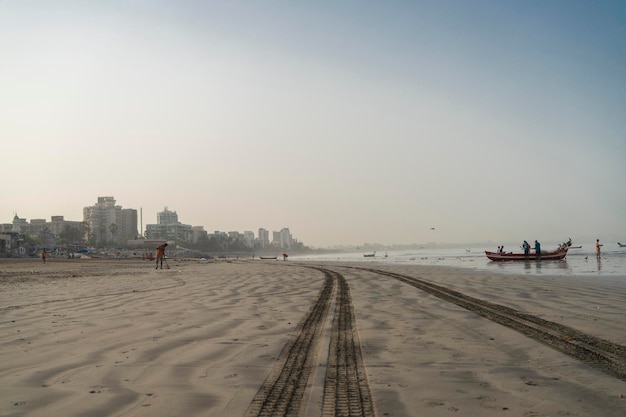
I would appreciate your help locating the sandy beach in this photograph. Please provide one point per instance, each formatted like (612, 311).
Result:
(120, 338)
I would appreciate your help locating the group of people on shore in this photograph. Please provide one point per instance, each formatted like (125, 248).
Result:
(160, 255)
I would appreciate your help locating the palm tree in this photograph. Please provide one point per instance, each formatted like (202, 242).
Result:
(113, 228)
(85, 231)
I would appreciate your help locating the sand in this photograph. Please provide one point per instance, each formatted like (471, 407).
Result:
(119, 338)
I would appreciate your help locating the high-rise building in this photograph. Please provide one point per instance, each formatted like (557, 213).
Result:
(264, 238)
(109, 224)
(169, 228)
(248, 237)
(167, 217)
(129, 224)
(282, 239)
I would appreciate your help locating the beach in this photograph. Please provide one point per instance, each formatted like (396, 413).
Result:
(203, 338)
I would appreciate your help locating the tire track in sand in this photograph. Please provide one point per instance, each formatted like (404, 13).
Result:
(346, 389)
(602, 354)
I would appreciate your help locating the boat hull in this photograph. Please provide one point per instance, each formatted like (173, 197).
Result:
(545, 256)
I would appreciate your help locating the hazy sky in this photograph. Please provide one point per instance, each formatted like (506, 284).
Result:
(345, 121)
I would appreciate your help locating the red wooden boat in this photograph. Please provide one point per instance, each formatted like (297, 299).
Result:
(557, 254)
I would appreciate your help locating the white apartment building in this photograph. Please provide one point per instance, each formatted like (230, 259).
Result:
(248, 238)
(282, 239)
(264, 238)
(169, 228)
(110, 224)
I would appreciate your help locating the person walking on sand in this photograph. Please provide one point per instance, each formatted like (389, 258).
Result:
(43, 255)
(538, 249)
(160, 254)
(598, 248)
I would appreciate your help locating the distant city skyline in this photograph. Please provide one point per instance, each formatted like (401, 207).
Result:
(255, 230)
(143, 230)
(348, 122)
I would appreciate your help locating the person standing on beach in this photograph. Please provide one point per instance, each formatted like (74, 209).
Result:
(43, 255)
(538, 249)
(526, 247)
(160, 254)
(598, 248)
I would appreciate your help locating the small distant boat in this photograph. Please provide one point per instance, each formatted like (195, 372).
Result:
(369, 255)
(545, 256)
(575, 247)
(267, 257)
(621, 245)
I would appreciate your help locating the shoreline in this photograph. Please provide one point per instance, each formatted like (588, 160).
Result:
(117, 337)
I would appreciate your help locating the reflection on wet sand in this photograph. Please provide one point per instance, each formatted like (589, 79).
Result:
(531, 266)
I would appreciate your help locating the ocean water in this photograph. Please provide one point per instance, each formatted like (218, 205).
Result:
(579, 262)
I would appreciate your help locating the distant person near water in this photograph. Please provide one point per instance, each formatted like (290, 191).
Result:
(598, 248)
(43, 255)
(526, 247)
(538, 249)
(160, 254)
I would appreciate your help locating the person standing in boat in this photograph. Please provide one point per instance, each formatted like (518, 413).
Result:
(538, 249)
(526, 247)
(598, 248)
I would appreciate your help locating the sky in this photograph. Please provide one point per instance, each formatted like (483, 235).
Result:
(347, 122)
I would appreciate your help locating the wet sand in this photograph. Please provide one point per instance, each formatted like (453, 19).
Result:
(119, 338)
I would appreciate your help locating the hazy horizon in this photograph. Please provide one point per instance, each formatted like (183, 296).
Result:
(347, 122)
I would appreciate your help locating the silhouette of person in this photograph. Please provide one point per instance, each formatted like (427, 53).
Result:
(538, 249)
(160, 254)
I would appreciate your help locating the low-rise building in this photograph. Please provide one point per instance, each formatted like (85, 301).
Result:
(9, 244)
(198, 233)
